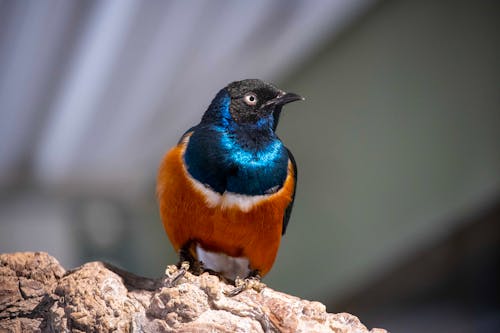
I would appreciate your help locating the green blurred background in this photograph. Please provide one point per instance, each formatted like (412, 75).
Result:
(397, 214)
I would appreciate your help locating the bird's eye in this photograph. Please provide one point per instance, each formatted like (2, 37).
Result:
(250, 99)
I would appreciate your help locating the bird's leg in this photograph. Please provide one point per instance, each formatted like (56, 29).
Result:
(174, 274)
(252, 281)
(187, 262)
(187, 254)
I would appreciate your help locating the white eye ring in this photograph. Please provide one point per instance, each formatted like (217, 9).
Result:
(250, 99)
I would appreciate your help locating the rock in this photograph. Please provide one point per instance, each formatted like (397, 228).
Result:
(38, 295)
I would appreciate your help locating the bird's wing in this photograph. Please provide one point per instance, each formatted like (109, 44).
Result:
(288, 210)
(186, 133)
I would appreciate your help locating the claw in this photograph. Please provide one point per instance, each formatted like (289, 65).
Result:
(246, 284)
(172, 280)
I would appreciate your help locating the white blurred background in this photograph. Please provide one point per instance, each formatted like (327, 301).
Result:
(397, 215)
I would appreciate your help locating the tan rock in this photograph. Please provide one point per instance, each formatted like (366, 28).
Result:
(37, 294)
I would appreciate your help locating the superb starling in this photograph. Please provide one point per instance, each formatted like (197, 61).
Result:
(226, 190)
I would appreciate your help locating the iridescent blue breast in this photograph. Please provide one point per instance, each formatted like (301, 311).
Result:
(257, 172)
(222, 161)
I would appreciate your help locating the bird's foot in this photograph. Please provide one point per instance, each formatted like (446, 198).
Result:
(174, 274)
(246, 284)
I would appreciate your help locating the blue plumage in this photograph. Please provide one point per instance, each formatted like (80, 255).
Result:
(244, 158)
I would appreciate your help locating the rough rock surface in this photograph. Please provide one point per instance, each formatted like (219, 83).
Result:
(37, 294)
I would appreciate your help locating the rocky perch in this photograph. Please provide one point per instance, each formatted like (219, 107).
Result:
(38, 295)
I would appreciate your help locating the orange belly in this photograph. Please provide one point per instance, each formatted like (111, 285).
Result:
(254, 234)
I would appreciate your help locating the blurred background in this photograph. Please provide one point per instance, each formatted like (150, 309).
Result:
(397, 214)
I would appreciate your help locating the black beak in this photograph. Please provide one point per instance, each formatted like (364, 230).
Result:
(283, 98)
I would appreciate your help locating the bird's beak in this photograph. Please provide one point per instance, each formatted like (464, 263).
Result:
(283, 98)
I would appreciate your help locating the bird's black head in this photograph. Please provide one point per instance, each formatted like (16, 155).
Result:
(254, 101)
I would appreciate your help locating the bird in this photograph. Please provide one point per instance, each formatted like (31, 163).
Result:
(227, 189)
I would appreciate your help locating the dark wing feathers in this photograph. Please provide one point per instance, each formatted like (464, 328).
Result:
(186, 133)
(288, 210)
